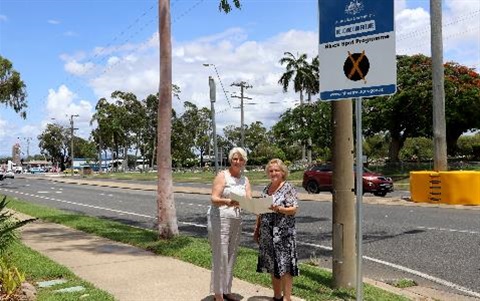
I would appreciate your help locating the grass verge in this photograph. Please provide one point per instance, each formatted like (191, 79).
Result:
(312, 284)
(255, 177)
(40, 268)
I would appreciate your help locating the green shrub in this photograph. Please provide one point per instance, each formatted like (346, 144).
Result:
(10, 279)
(8, 226)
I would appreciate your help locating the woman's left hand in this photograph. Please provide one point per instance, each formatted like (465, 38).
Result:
(275, 208)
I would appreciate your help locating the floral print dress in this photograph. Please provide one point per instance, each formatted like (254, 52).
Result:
(277, 242)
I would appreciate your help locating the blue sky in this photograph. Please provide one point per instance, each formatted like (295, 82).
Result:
(70, 53)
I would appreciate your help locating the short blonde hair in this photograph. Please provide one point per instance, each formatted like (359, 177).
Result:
(237, 150)
(280, 164)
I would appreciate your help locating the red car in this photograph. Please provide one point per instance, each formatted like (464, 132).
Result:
(318, 177)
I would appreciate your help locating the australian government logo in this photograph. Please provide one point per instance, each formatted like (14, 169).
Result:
(355, 21)
(354, 7)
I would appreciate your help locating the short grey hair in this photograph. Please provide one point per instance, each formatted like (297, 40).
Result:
(237, 150)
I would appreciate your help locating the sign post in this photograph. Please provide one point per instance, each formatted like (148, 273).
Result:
(357, 59)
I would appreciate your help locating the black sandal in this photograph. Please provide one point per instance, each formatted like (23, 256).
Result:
(226, 297)
(278, 299)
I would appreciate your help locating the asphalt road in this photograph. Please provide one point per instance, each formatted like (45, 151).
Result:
(437, 247)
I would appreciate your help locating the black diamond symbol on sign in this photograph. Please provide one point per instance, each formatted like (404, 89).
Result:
(356, 66)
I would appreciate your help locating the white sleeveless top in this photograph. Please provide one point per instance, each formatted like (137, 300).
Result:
(232, 184)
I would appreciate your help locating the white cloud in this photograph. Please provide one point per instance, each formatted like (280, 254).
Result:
(53, 22)
(235, 57)
(3, 128)
(460, 30)
(78, 69)
(63, 103)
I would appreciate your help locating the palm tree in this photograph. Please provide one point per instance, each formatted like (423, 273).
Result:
(299, 71)
(312, 86)
(303, 76)
(167, 218)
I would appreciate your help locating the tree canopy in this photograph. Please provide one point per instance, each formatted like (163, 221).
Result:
(408, 113)
(12, 88)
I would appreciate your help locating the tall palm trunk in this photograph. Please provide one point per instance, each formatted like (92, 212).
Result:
(167, 218)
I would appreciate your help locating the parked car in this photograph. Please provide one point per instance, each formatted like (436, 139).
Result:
(318, 177)
(9, 174)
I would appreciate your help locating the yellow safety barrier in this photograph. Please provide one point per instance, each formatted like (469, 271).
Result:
(446, 187)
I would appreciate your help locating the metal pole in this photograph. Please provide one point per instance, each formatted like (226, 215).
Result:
(242, 128)
(71, 142)
(72, 130)
(211, 83)
(359, 189)
(439, 126)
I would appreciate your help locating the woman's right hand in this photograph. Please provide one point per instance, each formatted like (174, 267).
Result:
(231, 203)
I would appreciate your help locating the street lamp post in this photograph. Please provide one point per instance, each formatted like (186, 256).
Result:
(72, 129)
(211, 84)
(219, 80)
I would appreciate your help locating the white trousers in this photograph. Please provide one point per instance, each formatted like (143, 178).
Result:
(224, 235)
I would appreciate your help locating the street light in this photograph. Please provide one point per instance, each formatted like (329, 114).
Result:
(219, 80)
(211, 84)
(72, 129)
(213, 97)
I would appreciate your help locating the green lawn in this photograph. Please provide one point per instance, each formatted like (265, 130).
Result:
(255, 177)
(40, 268)
(312, 284)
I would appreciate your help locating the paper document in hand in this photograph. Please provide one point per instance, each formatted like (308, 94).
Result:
(256, 206)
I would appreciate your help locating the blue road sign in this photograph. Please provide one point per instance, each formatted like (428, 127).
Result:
(357, 49)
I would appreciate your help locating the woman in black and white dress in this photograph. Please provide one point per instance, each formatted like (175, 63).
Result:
(276, 232)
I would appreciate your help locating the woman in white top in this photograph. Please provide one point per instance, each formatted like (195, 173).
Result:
(225, 224)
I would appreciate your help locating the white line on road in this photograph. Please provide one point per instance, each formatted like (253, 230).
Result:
(450, 230)
(426, 276)
(408, 270)
(90, 206)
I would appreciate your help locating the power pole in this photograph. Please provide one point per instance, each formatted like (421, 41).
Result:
(211, 84)
(243, 85)
(72, 130)
(343, 227)
(439, 126)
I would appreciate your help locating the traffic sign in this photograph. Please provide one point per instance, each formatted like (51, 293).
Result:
(357, 49)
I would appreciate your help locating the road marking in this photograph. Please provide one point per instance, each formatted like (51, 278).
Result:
(88, 206)
(450, 230)
(426, 276)
(408, 270)
(42, 191)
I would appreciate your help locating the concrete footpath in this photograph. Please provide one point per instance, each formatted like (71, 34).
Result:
(133, 274)
(126, 272)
